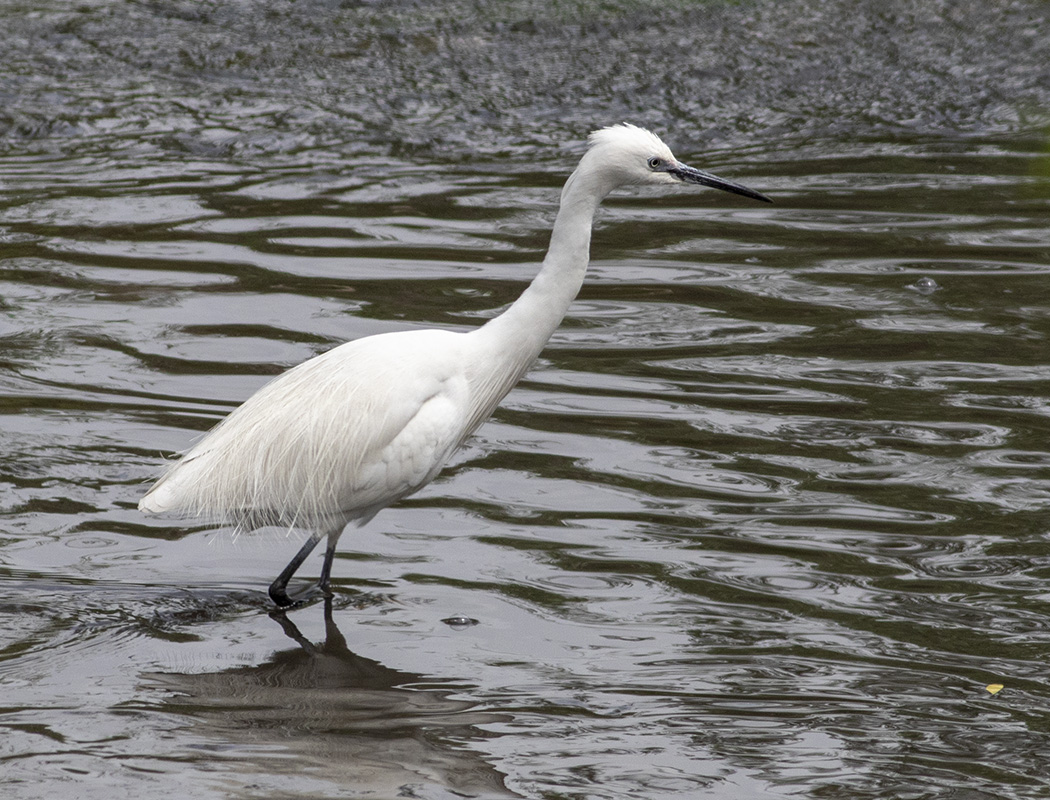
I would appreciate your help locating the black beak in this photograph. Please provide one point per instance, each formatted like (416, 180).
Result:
(691, 175)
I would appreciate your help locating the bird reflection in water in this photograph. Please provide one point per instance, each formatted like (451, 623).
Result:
(322, 714)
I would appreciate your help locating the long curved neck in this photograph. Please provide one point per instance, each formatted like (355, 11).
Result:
(525, 327)
(506, 346)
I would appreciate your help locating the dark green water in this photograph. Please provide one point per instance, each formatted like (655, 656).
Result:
(767, 518)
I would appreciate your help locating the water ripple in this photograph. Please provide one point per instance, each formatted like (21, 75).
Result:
(767, 518)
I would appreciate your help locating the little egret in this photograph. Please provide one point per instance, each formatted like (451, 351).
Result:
(345, 434)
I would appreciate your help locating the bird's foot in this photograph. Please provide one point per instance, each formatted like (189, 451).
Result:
(284, 601)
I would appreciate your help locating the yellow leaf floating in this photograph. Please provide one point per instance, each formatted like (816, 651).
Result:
(993, 688)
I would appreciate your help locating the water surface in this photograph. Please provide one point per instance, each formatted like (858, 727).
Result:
(766, 519)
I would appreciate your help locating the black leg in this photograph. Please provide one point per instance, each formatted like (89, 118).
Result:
(326, 568)
(279, 588)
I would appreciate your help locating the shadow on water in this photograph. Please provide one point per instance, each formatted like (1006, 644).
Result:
(318, 719)
(309, 721)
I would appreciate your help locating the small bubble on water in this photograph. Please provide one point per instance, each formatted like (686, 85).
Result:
(925, 285)
(459, 621)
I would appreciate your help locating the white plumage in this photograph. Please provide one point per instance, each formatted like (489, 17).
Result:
(343, 435)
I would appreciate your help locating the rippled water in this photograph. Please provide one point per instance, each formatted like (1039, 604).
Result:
(767, 518)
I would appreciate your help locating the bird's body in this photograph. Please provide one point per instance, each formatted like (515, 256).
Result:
(343, 435)
(282, 457)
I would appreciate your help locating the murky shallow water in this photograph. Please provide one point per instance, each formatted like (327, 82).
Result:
(765, 520)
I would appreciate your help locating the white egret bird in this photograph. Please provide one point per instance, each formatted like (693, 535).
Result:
(343, 435)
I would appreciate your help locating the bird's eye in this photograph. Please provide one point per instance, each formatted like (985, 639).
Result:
(655, 163)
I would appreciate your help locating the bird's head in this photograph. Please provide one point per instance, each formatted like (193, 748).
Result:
(623, 155)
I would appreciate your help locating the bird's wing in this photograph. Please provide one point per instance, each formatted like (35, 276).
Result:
(338, 436)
